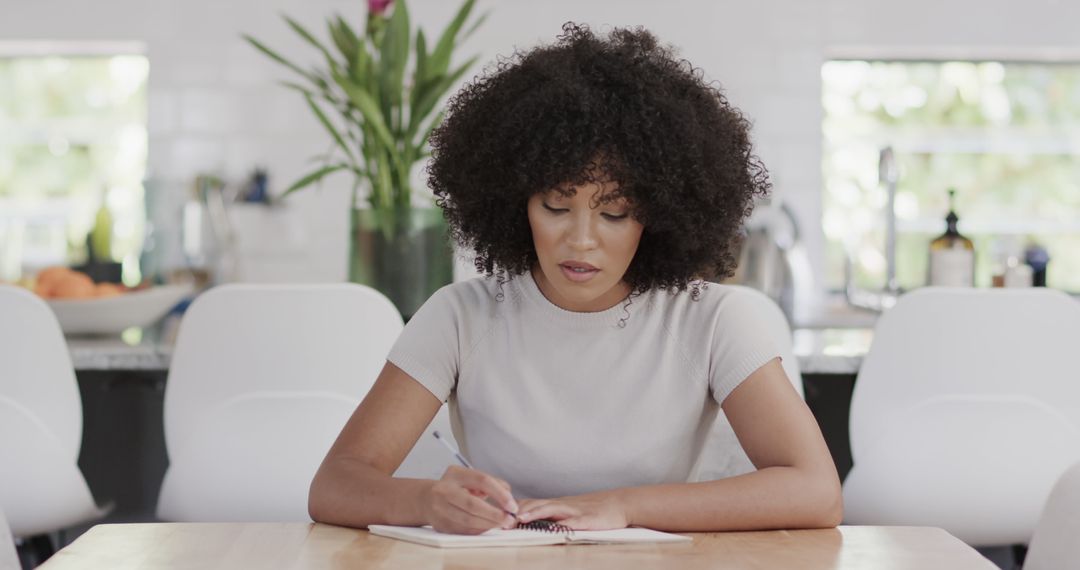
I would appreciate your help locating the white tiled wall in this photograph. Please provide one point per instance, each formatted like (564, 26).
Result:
(214, 104)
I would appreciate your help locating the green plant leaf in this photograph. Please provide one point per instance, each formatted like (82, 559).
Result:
(330, 61)
(468, 33)
(344, 38)
(427, 132)
(394, 54)
(416, 152)
(329, 127)
(307, 36)
(360, 70)
(440, 56)
(324, 95)
(313, 177)
(318, 81)
(296, 86)
(370, 110)
(382, 181)
(432, 95)
(420, 73)
(352, 114)
(368, 146)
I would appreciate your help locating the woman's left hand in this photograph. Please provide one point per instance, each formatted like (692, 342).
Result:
(595, 511)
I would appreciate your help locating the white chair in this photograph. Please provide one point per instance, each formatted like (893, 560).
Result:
(9, 557)
(722, 455)
(1055, 542)
(41, 487)
(262, 379)
(965, 411)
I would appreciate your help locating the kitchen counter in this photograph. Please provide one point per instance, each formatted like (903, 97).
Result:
(137, 349)
(819, 350)
(831, 350)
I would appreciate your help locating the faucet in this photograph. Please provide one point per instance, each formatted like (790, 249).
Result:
(888, 175)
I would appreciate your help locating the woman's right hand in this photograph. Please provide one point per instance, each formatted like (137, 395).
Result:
(457, 503)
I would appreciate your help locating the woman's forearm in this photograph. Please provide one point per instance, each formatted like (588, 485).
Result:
(774, 497)
(352, 493)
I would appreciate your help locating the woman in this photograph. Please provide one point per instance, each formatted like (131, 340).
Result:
(598, 179)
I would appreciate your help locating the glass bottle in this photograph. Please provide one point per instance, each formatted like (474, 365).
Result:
(1036, 257)
(952, 255)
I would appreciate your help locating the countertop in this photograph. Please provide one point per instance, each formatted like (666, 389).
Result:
(140, 349)
(819, 350)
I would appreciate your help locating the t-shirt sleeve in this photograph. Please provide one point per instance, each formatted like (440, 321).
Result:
(750, 331)
(427, 349)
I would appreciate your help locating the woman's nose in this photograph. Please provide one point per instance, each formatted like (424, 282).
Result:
(582, 235)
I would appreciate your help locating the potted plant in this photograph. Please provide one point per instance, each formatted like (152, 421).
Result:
(380, 121)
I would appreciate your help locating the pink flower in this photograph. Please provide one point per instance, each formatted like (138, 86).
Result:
(377, 7)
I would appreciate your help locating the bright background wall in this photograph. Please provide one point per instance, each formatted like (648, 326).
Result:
(213, 104)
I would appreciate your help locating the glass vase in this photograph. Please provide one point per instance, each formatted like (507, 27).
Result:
(405, 254)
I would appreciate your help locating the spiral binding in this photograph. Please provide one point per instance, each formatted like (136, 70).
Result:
(545, 525)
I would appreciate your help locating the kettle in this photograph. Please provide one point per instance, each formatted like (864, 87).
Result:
(773, 260)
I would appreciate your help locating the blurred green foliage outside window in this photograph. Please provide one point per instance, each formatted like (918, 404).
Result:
(72, 137)
(1005, 135)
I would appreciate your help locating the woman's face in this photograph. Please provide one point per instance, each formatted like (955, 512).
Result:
(584, 247)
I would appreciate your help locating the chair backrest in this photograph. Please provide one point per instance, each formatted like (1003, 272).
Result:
(948, 341)
(1055, 543)
(9, 558)
(236, 340)
(37, 379)
(263, 377)
(979, 467)
(722, 455)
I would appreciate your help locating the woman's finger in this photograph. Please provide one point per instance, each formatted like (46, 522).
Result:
(553, 510)
(530, 504)
(479, 508)
(585, 522)
(463, 522)
(488, 486)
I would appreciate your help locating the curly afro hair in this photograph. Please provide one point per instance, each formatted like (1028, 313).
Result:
(621, 108)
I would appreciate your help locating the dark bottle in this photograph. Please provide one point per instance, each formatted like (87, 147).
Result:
(952, 255)
(1038, 258)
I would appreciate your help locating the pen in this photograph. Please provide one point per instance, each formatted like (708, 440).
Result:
(461, 460)
(446, 444)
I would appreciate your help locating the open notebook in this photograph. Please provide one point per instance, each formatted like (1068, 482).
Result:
(523, 537)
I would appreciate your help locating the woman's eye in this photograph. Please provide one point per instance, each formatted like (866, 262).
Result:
(610, 217)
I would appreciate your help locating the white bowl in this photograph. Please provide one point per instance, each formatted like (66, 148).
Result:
(111, 315)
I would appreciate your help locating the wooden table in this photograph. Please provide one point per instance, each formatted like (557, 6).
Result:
(265, 546)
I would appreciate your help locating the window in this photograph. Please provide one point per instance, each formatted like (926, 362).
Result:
(72, 137)
(1005, 135)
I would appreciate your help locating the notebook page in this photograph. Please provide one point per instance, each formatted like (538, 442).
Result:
(625, 535)
(495, 537)
(520, 537)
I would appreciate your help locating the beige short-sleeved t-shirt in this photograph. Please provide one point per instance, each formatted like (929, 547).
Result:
(562, 403)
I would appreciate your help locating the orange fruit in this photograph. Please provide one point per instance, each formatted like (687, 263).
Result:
(74, 285)
(43, 290)
(103, 290)
(53, 274)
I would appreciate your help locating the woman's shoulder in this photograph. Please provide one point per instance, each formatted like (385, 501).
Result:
(472, 296)
(714, 304)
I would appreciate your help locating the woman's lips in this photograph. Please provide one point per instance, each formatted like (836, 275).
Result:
(578, 276)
